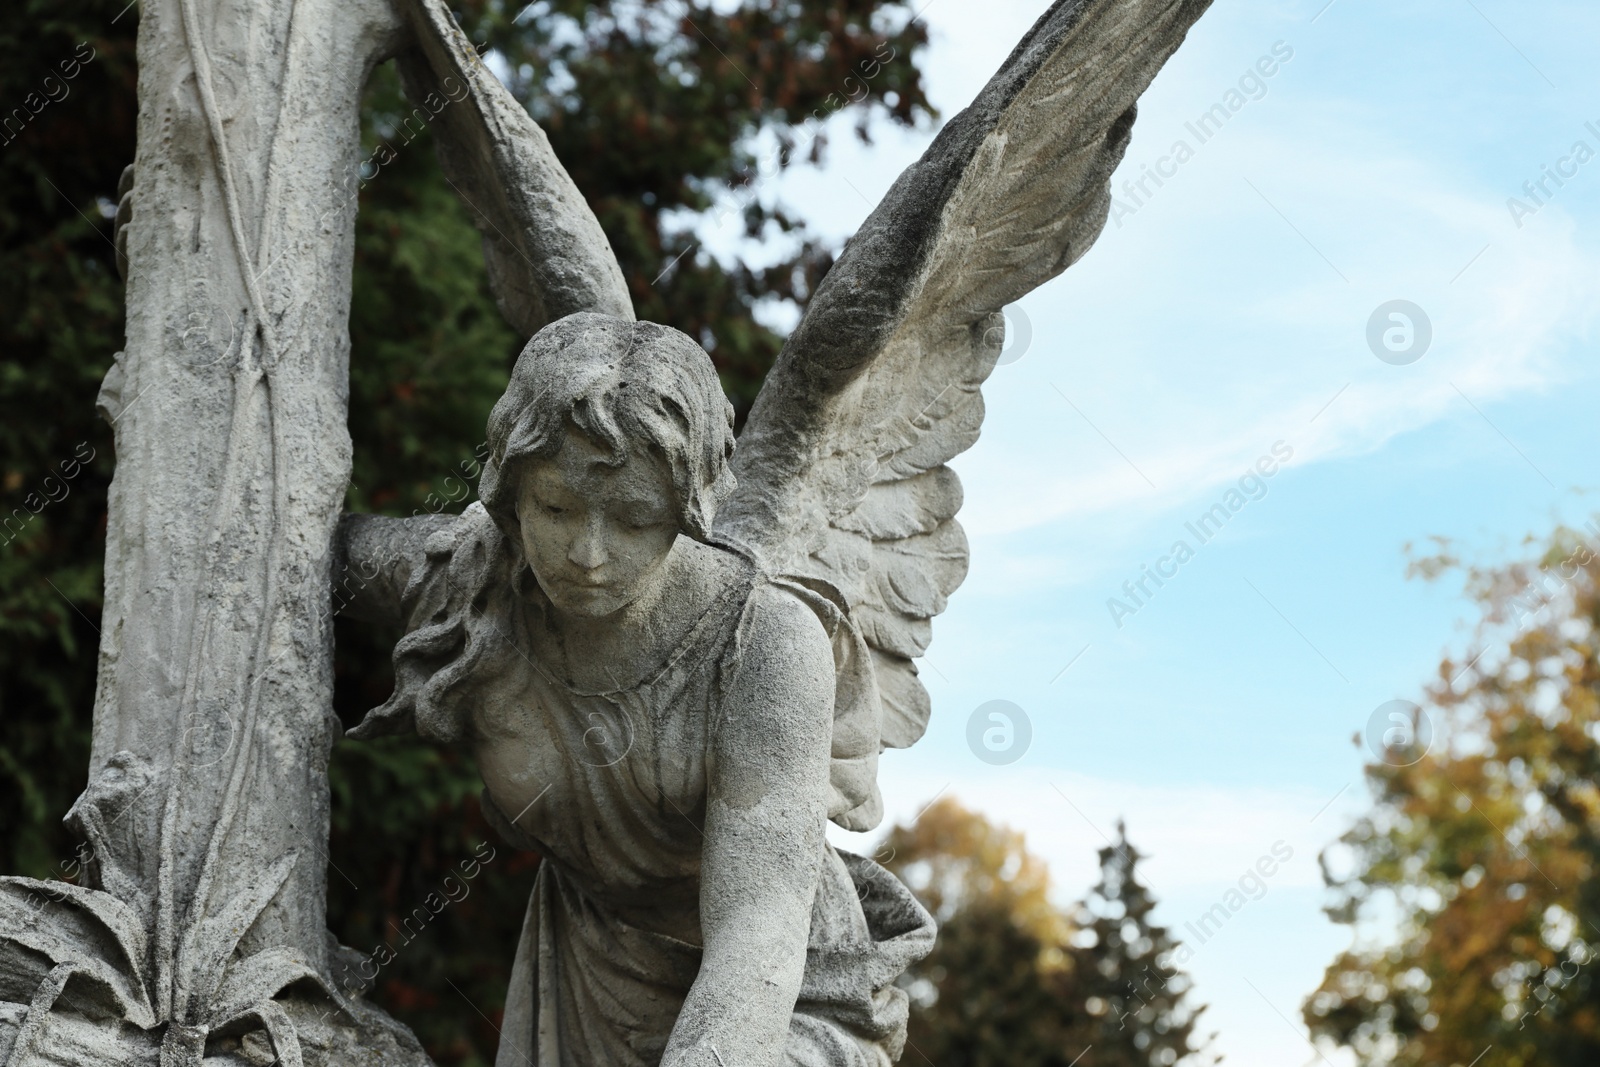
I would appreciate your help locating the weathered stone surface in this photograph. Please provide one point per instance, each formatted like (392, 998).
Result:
(661, 719)
(671, 676)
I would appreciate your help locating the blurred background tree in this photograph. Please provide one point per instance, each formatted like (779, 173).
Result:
(1139, 1012)
(997, 989)
(61, 322)
(1014, 979)
(1471, 885)
(670, 117)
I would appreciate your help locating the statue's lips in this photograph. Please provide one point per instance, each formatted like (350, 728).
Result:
(579, 585)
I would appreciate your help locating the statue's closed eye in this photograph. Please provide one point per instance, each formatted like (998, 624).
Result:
(642, 523)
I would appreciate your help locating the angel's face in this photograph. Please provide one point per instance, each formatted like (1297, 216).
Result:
(596, 535)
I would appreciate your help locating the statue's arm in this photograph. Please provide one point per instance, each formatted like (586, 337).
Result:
(374, 558)
(764, 838)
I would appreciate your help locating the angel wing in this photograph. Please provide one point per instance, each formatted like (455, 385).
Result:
(545, 251)
(841, 465)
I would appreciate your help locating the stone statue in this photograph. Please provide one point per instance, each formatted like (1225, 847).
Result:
(675, 659)
(666, 721)
(675, 655)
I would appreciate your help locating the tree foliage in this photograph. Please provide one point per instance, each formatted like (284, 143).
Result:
(1016, 980)
(1135, 993)
(1471, 884)
(996, 989)
(63, 143)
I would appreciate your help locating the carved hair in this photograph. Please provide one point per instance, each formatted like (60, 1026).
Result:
(624, 385)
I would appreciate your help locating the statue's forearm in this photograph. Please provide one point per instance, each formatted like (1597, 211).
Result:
(375, 557)
(764, 839)
(738, 1010)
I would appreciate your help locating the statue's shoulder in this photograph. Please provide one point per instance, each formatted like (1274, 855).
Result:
(458, 610)
(809, 600)
(460, 559)
(794, 619)
(783, 624)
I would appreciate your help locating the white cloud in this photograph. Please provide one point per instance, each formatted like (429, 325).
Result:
(1275, 342)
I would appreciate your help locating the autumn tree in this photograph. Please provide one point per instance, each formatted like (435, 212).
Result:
(1016, 980)
(1477, 863)
(997, 988)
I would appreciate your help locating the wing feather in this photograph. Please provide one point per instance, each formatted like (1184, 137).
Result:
(915, 504)
(841, 465)
(906, 708)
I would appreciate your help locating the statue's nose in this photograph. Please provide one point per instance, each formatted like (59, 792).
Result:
(588, 550)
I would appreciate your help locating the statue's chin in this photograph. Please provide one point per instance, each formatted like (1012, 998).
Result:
(589, 602)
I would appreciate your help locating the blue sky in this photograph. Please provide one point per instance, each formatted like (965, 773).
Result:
(1226, 313)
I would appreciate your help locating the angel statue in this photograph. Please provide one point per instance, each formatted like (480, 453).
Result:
(675, 654)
